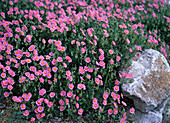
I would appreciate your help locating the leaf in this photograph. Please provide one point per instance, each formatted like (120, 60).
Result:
(18, 113)
(2, 106)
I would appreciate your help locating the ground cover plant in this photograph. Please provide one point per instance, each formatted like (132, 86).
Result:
(63, 57)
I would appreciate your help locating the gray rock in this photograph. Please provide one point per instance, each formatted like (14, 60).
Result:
(150, 88)
(154, 116)
(150, 117)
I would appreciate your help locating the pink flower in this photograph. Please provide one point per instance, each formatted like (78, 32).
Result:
(63, 93)
(122, 121)
(80, 86)
(113, 43)
(40, 109)
(32, 119)
(80, 111)
(102, 63)
(95, 105)
(105, 95)
(126, 75)
(128, 41)
(59, 59)
(65, 65)
(77, 98)
(33, 27)
(138, 48)
(52, 94)
(14, 98)
(101, 51)
(46, 101)
(111, 61)
(23, 106)
(87, 60)
(99, 76)
(73, 42)
(43, 115)
(111, 51)
(118, 58)
(132, 110)
(28, 38)
(122, 95)
(61, 102)
(115, 105)
(10, 2)
(27, 98)
(130, 75)
(54, 61)
(104, 102)
(42, 92)
(115, 111)
(61, 108)
(110, 111)
(41, 80)
(68, 73)
(81, 71)
(116, 88)
(43, 41)
(71, 86)
(38, 116)
(97, 81)
(77, 105)
(83, 50)
(50, 104)
(138, 54)
(70, 78)
(130, 50)
(126, 31)
(84, 87)
(6, 94)
(55, 69)
(67, 101)
(95, 100)
(101, 109)
(101, 57)
(90, 70)
(38, 102)
(69, 94)
(26, 113)
(50, 41)
(88, 76)
(29, 95)
(3, 75)
(10, 87)
(124, 103)
(106, 34)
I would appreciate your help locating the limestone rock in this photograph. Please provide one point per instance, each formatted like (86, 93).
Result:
(154, 116)
(151, 83)
(150, 117)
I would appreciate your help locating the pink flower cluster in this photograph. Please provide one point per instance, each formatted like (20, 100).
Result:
(34, 51)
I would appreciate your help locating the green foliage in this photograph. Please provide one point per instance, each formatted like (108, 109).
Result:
(127, 35)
